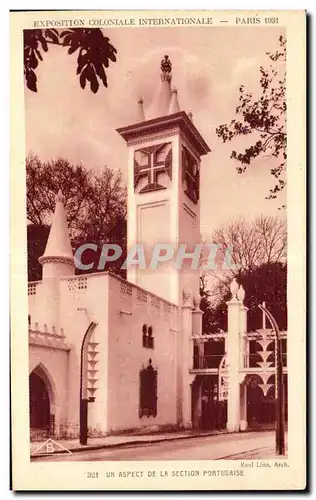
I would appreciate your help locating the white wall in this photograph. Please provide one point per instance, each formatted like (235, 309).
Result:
(128, 356)
(82, 300)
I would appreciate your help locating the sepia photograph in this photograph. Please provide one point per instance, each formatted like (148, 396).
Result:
(157, 241)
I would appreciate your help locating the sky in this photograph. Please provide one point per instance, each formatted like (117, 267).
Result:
(208, 66)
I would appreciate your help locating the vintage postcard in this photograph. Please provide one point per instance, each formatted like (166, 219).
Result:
(158, 250)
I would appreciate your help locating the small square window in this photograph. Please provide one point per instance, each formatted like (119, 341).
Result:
(148, 340)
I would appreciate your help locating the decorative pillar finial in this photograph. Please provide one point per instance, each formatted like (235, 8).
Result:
(197, 301)
(241, 293)
(60, 197)
(166, 68)
(187, 296)
(234, 288)
(190, 115)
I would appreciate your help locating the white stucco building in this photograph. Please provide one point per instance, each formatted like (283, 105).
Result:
(114, 355)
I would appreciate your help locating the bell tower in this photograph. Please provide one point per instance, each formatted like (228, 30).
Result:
(164, 157)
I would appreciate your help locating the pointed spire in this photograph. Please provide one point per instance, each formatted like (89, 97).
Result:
(140, 111)
(161, 102)
(58, 248)
(174, 105)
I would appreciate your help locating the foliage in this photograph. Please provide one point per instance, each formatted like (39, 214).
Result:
(36, 241)
(43, 181)
(95, 204)
(94, 53)
(264, 283)
(259, 244)
(253, 243)
(263, 118)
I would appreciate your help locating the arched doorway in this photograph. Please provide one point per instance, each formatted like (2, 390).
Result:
(41, 401)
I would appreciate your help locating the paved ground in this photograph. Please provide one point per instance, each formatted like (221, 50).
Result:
(122, 440)
(250, 445)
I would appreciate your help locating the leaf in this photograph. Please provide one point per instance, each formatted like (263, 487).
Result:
(39, 55)
(82, 80)
(52, 35)
(33, 60)
(95, 54)
(31, 80)
(102, 75)
(44, 44)
(67, 40)
(72, 49)
(94, 85)
(64, 33)
(81, 62)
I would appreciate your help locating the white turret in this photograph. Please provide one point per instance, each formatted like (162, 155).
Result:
(57, 263)
(58, 260)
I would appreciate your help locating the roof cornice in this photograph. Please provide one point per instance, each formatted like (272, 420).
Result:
(180, 120)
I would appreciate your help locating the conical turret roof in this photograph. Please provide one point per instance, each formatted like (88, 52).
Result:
(58, 244)
(174, 104)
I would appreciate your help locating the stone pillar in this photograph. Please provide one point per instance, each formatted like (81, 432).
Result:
(233, 360)
(197, 326)
(186, 358)
(243, 353)
(197, 316)
(243, 407)
(243, 334)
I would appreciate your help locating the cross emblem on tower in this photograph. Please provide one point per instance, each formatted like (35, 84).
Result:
(190, 175)
(150, 162)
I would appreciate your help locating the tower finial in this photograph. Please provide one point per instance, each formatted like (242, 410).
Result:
(166, 68)
(140, 113)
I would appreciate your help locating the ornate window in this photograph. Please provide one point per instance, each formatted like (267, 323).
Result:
(148, 339)
(151, 162)
(148, 391)
(190, 175)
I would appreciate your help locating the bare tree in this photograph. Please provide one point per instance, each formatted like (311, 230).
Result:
(106, 208)
(249, 245)
(43, 181)
(95, 205)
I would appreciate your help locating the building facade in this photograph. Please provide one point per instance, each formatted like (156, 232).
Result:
(116, 355)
